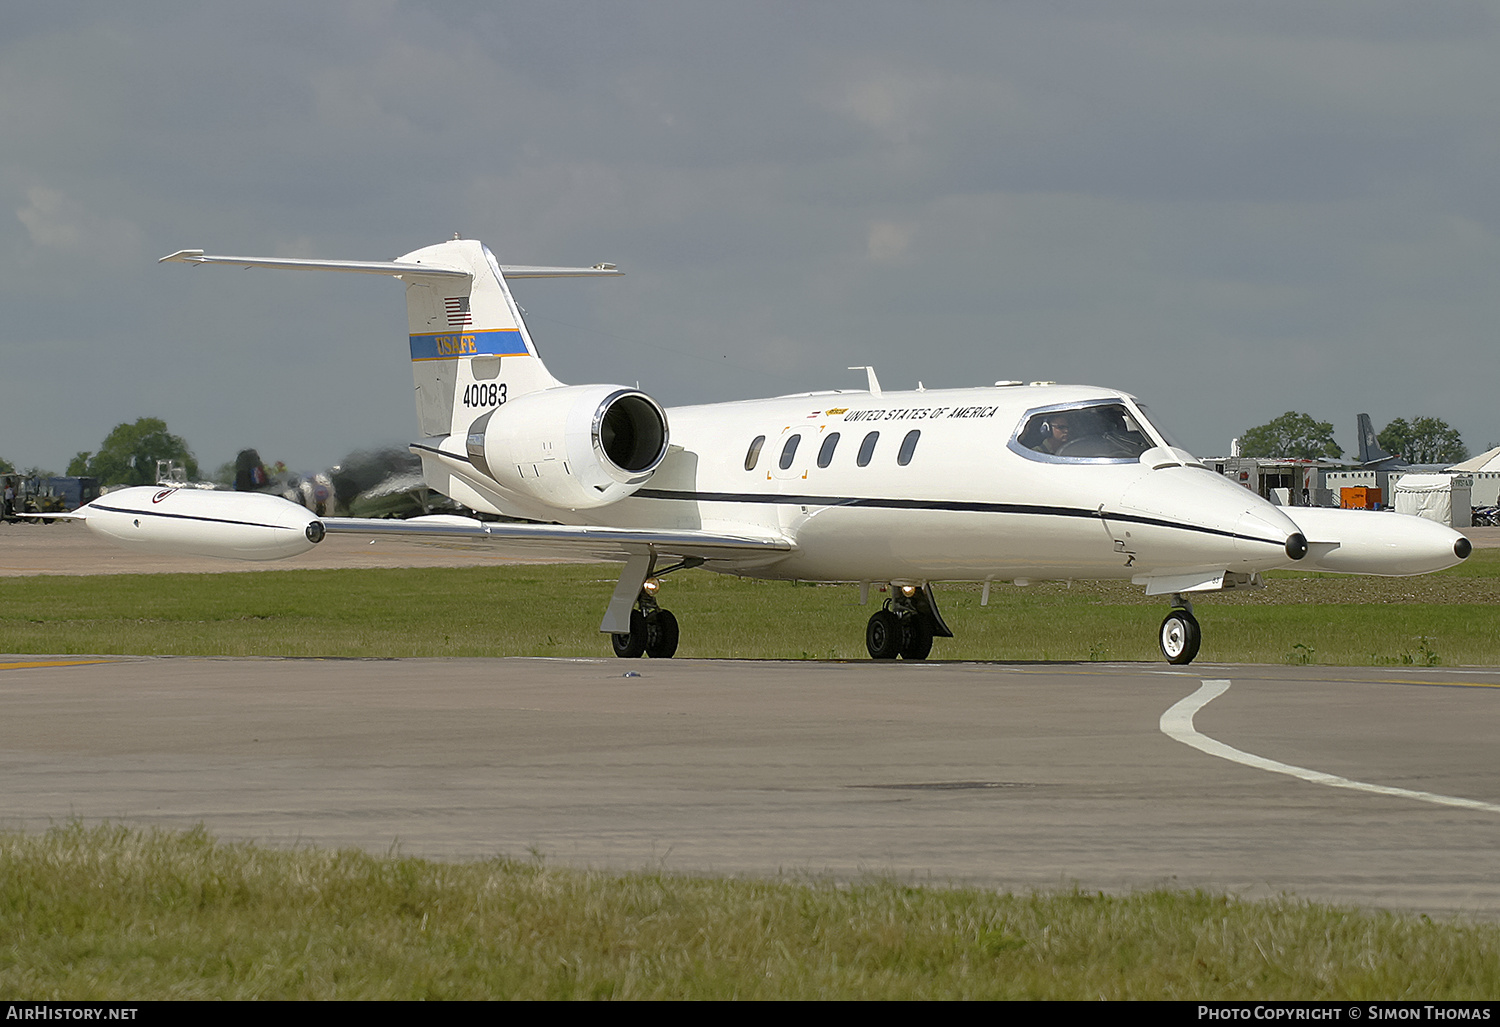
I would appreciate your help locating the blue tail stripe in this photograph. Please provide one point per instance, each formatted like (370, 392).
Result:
(503, 342)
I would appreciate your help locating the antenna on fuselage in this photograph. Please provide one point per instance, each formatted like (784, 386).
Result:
(874, 382)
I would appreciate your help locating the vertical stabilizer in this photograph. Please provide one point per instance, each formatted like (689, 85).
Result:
(1369, 447)
(470, 351)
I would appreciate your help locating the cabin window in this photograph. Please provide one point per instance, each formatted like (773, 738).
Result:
(825, 455)
(908, 447)
(867, 449)
(789, 451)
(752, 457)
(1102, 432)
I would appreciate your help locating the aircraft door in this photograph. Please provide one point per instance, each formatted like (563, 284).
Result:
(793, 453)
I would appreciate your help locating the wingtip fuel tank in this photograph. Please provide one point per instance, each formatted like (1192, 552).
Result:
(175, 521)
(1371, 542)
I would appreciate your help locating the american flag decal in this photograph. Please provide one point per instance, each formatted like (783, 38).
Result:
(458, 311)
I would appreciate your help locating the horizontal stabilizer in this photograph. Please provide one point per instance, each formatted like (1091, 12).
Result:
(362, 267)
(597, 271)
(388, 267)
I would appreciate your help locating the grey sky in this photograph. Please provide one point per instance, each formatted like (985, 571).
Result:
(1229, 209)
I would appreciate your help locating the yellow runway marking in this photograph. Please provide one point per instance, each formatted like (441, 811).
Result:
(1436, 683)
(50, 663)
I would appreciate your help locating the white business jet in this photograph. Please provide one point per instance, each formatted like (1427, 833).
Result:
(893, 489)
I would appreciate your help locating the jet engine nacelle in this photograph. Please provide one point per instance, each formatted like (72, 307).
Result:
(572, 448)
(194, 522)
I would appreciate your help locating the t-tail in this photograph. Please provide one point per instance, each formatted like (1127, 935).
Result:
(1369, 447)
(469, 345)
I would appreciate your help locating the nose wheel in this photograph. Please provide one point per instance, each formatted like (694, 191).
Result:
(1180, 636)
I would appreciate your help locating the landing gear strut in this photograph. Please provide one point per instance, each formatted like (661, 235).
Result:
(1180, 635)
(653, 630)
(905, 625)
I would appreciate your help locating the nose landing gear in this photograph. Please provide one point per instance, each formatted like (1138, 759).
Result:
(1180, 635)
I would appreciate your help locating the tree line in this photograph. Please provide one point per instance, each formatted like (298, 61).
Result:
(1422, 440)
(127, 456)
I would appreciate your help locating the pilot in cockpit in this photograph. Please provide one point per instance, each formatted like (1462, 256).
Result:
(1055, 434)
(1103, 431)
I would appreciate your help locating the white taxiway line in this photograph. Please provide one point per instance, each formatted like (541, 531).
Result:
(1177, 723)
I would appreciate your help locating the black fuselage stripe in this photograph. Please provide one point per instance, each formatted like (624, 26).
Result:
(946, 505)
(187, 517)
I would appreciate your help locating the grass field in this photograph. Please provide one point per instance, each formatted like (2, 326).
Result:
(110, 913)
(553, 610)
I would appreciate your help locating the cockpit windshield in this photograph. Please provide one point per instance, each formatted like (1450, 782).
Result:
(1093, 432)
(1156, 426)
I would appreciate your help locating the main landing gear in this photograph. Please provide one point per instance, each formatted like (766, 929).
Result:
(652, 634)
(905, 625)
(1180, 635)
(653, 630)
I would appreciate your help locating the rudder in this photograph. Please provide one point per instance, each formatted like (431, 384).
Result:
(470, 349)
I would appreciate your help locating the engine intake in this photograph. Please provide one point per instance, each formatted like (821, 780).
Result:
(572, 448)
(631, 431)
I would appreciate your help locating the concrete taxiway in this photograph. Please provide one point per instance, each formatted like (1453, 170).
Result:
(1017, 777)
(67, 547)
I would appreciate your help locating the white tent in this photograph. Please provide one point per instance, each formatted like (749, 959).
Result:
(1483, 462)
(1438, 497)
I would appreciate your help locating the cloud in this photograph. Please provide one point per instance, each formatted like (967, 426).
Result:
(888, 241)
(1143, 193)
(55, 221)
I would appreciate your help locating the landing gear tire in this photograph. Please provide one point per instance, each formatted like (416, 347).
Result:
(632, 644)
(883, 635)
(916, 638)
(1180, 637)
(661, 635)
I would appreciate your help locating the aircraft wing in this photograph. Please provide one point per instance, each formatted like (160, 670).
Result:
(562, 540)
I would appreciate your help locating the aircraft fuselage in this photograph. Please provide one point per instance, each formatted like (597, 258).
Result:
(932, 485)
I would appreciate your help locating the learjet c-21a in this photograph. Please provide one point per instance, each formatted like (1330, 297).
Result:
(901, 489)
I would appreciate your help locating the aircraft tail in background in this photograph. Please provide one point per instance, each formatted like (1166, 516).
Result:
(1369, 446)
